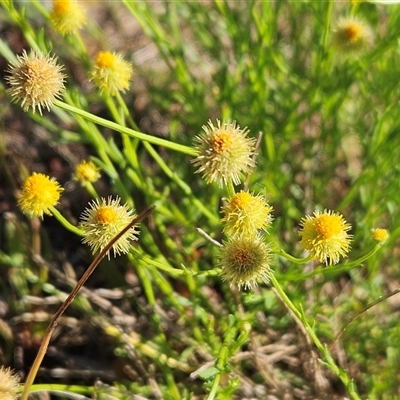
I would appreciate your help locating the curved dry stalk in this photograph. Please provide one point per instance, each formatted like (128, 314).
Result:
(368, 307)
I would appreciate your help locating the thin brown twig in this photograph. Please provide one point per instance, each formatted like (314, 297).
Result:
(368, 307)
(54, 321)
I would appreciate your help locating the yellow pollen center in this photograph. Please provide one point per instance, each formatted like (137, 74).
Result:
(105, 59)
(241, 200)
(222, 141)
(61, 7)
(86, 172)
(40, 187)
(351, 33)
(328, 226)
(380, 234)
(106, 215)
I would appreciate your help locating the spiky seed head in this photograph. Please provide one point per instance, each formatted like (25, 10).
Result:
(352, 35)
(36, 80)
(245, 261)
(9, 382)
(225, 153)
(103, 220)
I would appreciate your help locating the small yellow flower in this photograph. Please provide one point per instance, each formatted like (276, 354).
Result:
(36, 79)
(9, 382)
(111, 73)
(67, 16)
(245, 261)
(380, 235)
(103, 220)
(225, 153)
(325, 236)
(86, 172)
(39, 193)
(352, 35)
(245, 214)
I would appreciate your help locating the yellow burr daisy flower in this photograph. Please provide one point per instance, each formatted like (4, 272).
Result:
(325, 235)
(9, 383)
(380, 235)
(86, 172)
(39, 193)
(352, 35)
(67, 16)
(35, 79)
(245, 261)
(245, 214)
(111, 73)
(225, 153)
(103, 220)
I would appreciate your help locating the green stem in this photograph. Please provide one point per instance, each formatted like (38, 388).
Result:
(48, 387)
(230, 188)
(182, 184)
(65, 223)
(92, 191)
(333, 269)
(223, 357)
(294, 259)
(323, 47)
(322, 349)
(126, 131)
(214, 388)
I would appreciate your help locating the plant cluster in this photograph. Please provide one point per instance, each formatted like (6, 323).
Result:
(270, 243)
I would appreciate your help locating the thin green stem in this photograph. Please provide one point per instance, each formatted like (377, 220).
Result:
(214, 387)
(183, 185)
(48, 387)
(294, 259)
(126, 131)
(333, 269)
(323, 46)
(92, 191)
(323, 349)
(230, 188)
(65, 223)
(224, 354)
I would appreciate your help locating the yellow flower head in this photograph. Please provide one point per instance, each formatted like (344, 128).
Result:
(352, 35)
(225, 153)
(245, 261)
(67, 16)
(380, 235)
(103, 220)
(325, 236)
(245, 214)
(36, 79)
(86, 172)
(9, 382)
(111, 73)
(38, 194)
